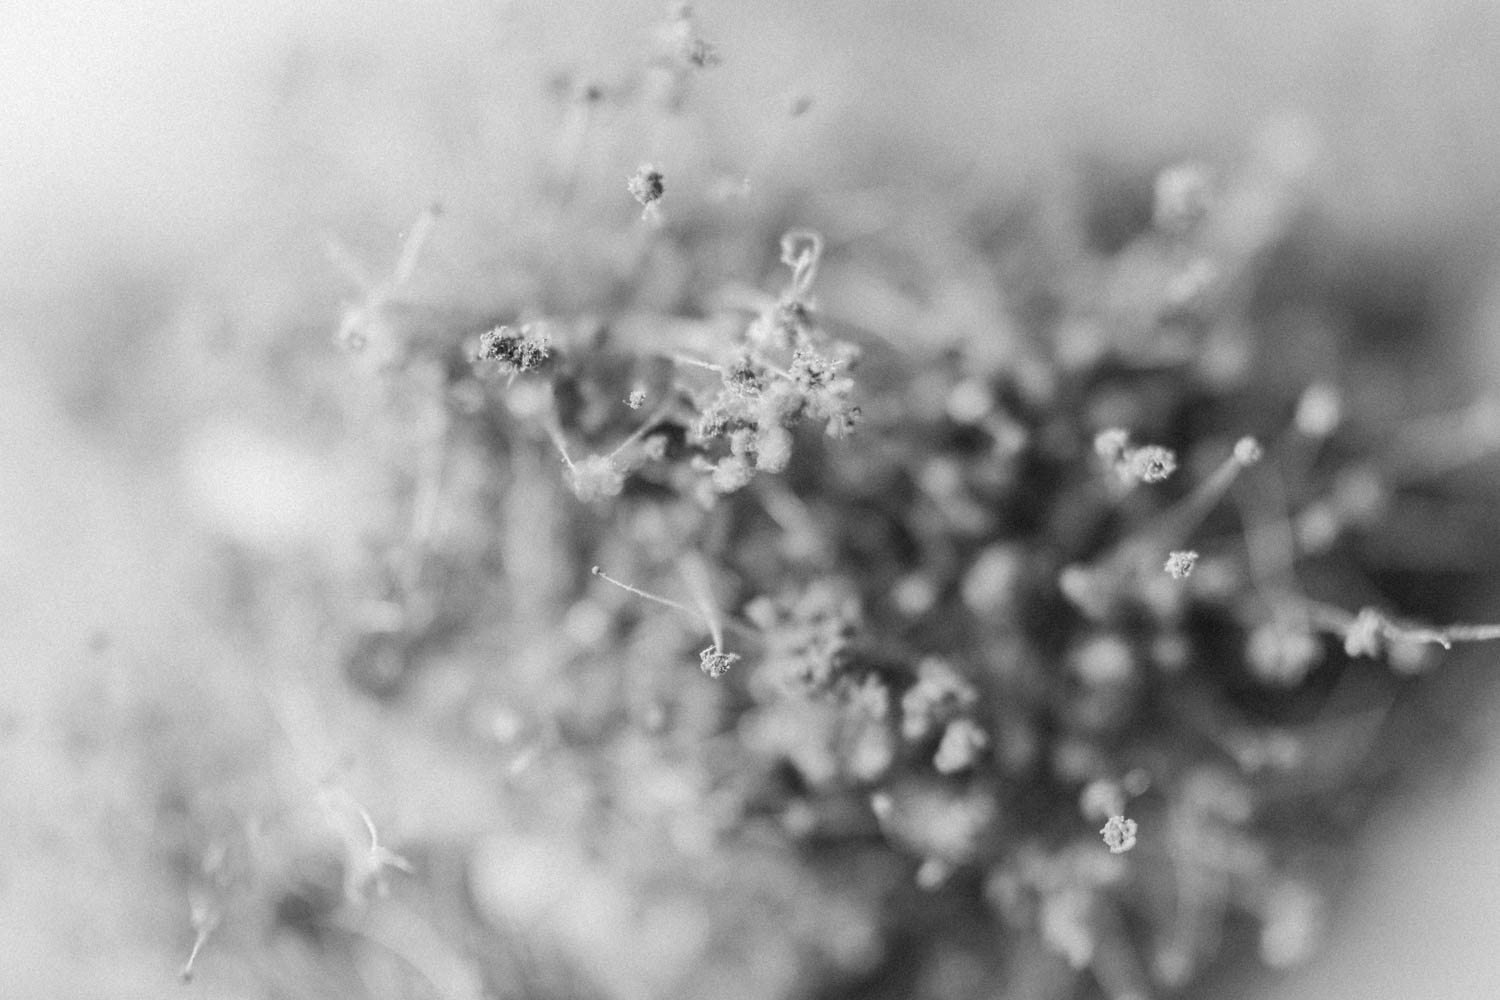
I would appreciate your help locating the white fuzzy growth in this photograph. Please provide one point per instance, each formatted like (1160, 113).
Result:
(1180, 564)
(1119, 834)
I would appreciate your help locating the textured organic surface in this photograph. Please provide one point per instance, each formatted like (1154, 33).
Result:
(1018, 570)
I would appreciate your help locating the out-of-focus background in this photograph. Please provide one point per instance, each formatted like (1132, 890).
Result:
(161, 158)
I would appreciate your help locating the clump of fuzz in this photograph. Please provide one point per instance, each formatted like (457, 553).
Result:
(1180, 564)
(1119, 834)
(1149, 464)
(597, 477)
(515, 349)
(715, 662)
(646, 185)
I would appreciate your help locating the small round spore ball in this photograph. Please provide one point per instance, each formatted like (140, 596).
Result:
(1150, 464)
(1119, 834)
(1180, 564)
(715, 662)
(646, 185)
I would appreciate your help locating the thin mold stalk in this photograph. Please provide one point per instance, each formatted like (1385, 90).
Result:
(716, 624)
(692, 362)
(1363, 630)
(412, 246)
(638, 592)
(1172, 526)
(555, 433)
(714, 660)
(696, 575)
(1271, 551)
